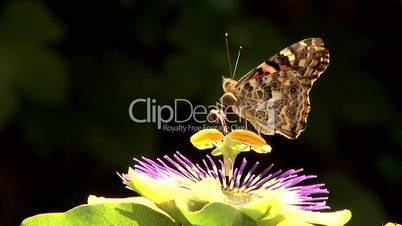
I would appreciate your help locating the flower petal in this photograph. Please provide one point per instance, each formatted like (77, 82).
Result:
(337, 218)
(293, 222)
(217, 214)
(151, 188)
(262, 208)
(207, 190)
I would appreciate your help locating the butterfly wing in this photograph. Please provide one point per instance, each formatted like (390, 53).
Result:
(309, 57)
(274, 96)
(275, 104)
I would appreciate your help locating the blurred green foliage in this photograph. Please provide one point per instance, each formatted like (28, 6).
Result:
(69, 70)
(347, 191)
(27, 63)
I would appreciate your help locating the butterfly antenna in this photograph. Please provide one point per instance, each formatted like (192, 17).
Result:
(227, 52)
(237, 61)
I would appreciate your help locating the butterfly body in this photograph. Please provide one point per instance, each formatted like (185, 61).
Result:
(274, 96)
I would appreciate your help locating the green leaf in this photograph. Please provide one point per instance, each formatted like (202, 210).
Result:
(136, 211)
(29, 67)
(218, 214)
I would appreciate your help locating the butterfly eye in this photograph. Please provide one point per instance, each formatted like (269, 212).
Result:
(228, 84)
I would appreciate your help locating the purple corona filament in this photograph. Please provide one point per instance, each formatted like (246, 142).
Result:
(181, 171)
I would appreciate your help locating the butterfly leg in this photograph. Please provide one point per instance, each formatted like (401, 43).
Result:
(219, 117)
(224, 125)
(245, 123)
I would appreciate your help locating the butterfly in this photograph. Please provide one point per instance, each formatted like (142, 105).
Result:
(274, 96)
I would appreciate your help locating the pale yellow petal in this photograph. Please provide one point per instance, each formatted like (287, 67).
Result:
(262, 208)
(293, 222)
(337, 218)
(156, 190)
(207, 190)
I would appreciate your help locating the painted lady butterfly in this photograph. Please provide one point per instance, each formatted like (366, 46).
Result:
(274, 96)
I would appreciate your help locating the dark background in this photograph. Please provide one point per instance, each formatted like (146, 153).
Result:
(70, 69)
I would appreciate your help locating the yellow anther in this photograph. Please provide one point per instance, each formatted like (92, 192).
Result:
(204, 139)
(247, 137)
